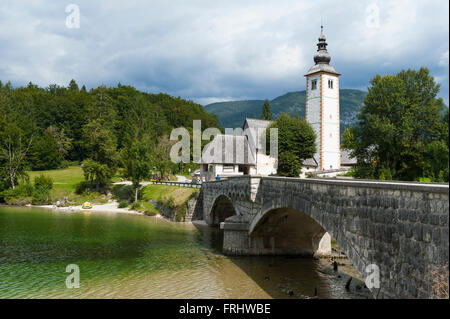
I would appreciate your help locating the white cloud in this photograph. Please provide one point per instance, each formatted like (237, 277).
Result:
(217, 50)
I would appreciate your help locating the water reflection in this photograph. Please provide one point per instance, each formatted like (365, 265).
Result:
(131, 256)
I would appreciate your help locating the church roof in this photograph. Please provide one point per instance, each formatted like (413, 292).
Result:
(311, 162)
(256, 123)
(322, 68)
(228, 149)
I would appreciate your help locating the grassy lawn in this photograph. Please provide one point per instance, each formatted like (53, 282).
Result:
(64, 183)
(63, 179)
(170, 196)
(162, 193)
(147, 208)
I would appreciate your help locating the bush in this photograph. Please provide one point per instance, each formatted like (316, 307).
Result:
(20, 201)
(123, 204)
(170, 202)
(82, 187)
(41, 196)
(17, 196)
(123, 192)
(136, 206)
(180, 213)
(385, 174)
(43, 182)
(65, 164)
(349, 173)
(24, 190)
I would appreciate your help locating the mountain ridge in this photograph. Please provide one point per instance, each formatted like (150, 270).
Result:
(232, 114)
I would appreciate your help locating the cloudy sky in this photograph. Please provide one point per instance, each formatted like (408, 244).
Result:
(211, 51)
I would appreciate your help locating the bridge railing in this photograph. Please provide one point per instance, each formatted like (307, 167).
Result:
(179, 184)
(397, 185)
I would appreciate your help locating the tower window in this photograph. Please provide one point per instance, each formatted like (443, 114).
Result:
(313, 84)
(330, 84)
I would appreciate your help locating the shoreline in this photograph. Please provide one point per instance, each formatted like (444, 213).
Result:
(111, 207)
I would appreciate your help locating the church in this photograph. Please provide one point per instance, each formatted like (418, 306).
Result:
(244, 154)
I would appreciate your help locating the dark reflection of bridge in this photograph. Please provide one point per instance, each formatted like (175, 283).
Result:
(278, 276)
(402, 228)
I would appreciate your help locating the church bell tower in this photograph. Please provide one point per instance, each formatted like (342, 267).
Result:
(322, 107)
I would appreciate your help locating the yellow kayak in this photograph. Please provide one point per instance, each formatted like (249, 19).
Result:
(86, 205)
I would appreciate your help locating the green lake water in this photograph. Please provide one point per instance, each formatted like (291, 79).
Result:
(135, 256)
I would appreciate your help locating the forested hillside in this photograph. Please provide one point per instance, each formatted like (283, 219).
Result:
(232, 114)
(44, 128)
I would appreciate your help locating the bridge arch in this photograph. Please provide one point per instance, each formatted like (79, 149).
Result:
(221, 209)
(289, 231)
(302, 231)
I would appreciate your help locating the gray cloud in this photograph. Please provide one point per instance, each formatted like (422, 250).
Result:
(212, 51)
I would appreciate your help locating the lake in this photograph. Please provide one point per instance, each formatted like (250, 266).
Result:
(135, 256)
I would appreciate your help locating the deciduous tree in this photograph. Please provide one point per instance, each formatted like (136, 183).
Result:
(399, 126)
(296, 142)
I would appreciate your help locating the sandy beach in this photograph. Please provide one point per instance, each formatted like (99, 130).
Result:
(109, 207)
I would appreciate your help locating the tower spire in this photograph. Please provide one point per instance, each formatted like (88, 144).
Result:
(322, 56)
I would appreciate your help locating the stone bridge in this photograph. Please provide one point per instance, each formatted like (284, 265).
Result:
(400, 227)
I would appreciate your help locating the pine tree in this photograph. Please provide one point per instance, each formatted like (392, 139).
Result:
(266, 113)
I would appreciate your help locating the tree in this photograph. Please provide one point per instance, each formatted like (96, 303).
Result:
(135, 156)
(99, 140)
(63, 142)
(80, 120)
(136, 161)
(73, 86)
(100, 145)
(398, 125)
(16, 138)
(296, 142)
(161, 155)
(14, 150)
(266, 112)
(288, 164)
(45, 153)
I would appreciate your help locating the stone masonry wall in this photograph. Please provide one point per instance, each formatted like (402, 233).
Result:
(400, 227)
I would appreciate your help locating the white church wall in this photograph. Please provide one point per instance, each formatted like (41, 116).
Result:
(331, 132)
(313, 109)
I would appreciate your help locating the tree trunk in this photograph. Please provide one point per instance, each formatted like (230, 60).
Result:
(136, 194)
(13, 185)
